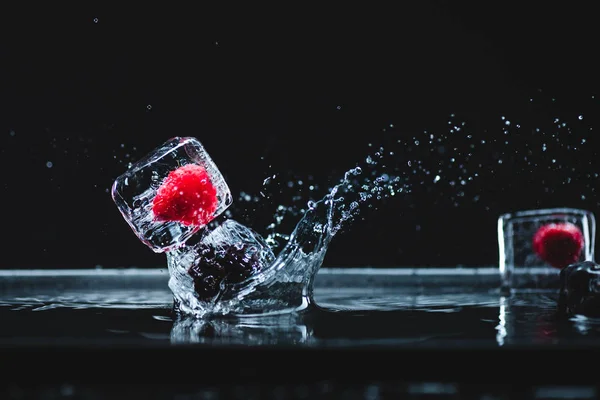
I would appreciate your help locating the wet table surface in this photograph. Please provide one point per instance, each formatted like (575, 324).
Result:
(356, 307)
(385, 325)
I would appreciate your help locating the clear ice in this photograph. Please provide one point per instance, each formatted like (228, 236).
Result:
(186, 260)
(134, 191)
(518, 264)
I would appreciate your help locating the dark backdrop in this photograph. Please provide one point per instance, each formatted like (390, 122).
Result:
(300, 92)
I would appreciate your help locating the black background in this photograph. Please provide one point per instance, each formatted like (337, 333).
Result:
(300, 91)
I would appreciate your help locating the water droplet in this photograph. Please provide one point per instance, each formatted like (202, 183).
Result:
(311, 205)
(96, 20)
(149, 107)
(11, 133)
(580, 117)
(49, 164)
(339, 107)
(436, 179)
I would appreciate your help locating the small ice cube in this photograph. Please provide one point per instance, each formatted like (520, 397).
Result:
(230, 254)
(580, 289)
(171, 193)
(534, 245)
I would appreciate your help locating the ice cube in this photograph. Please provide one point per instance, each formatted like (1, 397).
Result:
(535, 245)
(171, 193)
(224, 258)
(580, 289)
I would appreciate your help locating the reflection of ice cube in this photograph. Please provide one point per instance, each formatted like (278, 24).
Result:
(260, 331)
(206, 277)
(135, 190)
(519, 265)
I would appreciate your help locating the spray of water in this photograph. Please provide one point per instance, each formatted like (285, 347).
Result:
(416, 164)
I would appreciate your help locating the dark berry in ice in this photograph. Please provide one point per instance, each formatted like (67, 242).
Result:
(187, 196)
(558, 244)
(224, 265)
(579, 289)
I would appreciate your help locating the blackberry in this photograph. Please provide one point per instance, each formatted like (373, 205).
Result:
(579, 289)
(224, 265)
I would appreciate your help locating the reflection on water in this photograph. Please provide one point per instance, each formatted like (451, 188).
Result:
(501, 328)
(344, 317)
(252, 331)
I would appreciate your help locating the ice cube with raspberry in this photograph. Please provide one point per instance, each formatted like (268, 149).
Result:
(171, 193)
(558, 244)
(227, 255)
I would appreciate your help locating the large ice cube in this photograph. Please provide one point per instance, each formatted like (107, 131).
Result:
(171, 193)
(223, 259)
(535, 245)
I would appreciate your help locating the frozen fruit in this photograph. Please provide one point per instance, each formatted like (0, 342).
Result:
(187, 196)
(225, 265)
(216, 267)
(170, 194)
(558, 244)
(579, 289)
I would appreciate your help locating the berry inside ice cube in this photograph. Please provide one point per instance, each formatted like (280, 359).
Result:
(558, 244)
(217, 266)
(187, 196)
(232, 263)
(171, 193)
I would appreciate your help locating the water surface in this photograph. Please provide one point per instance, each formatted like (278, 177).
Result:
(393, 307)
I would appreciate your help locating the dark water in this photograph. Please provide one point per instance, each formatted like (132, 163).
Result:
(353, 310)
(375, 334)
(387, 319)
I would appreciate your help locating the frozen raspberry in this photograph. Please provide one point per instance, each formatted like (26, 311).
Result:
(558, 244)
(187, 196)
(232, 264)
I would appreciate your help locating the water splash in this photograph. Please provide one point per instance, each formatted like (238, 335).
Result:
(458, 166)
(287, 284)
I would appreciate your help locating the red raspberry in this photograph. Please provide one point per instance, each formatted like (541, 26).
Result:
(558, 244)
(187, 196)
